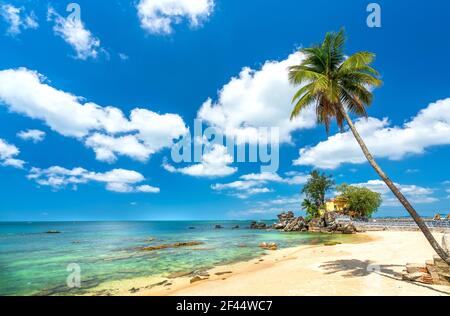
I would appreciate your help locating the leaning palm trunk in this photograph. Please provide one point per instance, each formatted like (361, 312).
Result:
(419, 221)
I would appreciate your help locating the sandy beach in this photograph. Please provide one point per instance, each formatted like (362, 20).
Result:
(371, 266)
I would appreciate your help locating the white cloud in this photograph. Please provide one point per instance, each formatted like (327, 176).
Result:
(293, 177)
(272, 207)
(104, 129)
(106, 147)
(415, 194)
(123, 56)
(117, 180)
(33, 135)
(17, 20)
(215, 163)
(147, 189)
(73, 32)
(256, 183)
(159, 16)
(242, 189)
(257, 99)
(8, 154)
(430, 127)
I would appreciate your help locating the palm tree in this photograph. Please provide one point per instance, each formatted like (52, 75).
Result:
(336, 85)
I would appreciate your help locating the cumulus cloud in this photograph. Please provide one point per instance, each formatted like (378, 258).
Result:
(104, 129)
(117, 180)
(271, 207)
(8, 154)
(430, 127)
(33, 135)
(73, 31)
(257, 99)
(17, 19)
(257, 183)
(415, 194)
(159, 16)
(215, 163)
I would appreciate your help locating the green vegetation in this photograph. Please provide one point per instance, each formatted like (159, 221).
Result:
(337, 85)
(315, 190)
(361, 202)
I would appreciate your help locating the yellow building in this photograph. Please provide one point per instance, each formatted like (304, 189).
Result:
(338, 204)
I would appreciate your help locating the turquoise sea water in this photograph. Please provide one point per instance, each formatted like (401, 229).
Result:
(33, 262)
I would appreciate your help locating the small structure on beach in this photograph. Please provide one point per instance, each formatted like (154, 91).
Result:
(338, 204)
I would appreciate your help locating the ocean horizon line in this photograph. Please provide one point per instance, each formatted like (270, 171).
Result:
(178, 220)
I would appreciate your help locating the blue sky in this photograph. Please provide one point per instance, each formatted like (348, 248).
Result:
(142, 72)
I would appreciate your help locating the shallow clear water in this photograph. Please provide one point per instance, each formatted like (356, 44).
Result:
(33, 262)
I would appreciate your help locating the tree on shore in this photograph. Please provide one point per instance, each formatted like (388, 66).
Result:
(361, 202)
(315, 190)
(336, 85)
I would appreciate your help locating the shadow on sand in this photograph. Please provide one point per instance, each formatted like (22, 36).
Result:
(358, 268)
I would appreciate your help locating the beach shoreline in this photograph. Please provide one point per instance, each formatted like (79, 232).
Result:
(370, 266)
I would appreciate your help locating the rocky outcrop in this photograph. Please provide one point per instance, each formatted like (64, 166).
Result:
(328, 223)
(296, 225)
(257, 225)
(316, 225)
(283, 220)
(218, 227)
(289, 223)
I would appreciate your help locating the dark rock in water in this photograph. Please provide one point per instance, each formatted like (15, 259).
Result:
(191, 227)
(235, 227)
(218, 227)
(176, 245)
(268, 246)
(53, 232)
(256, 225)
